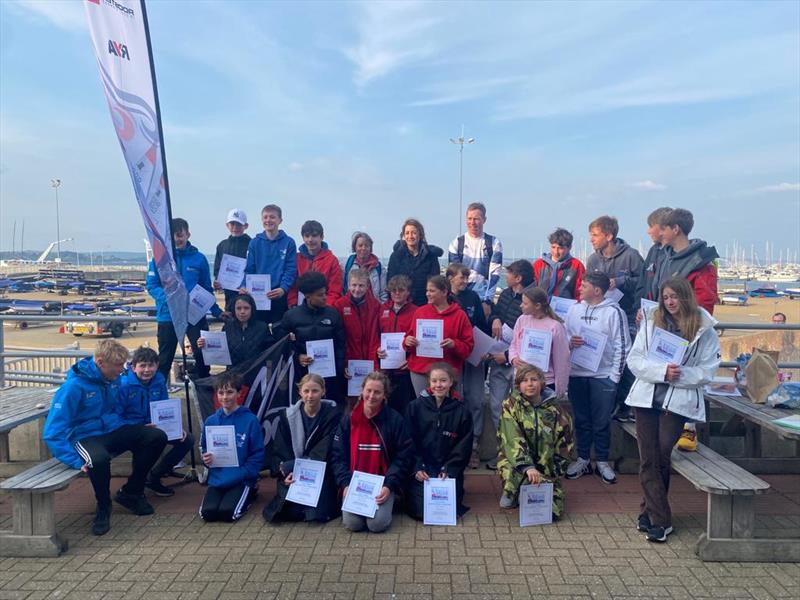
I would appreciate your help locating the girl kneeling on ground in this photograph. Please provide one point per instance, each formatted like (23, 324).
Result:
(305, 430)
(441, 427)
(534, 439)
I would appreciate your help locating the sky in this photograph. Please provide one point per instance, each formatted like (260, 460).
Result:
(343, 112)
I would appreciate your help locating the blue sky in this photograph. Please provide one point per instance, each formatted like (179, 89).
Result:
(342, 112)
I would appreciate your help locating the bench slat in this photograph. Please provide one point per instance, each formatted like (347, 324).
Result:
(736, 477)
(49, 474)
(18, 479)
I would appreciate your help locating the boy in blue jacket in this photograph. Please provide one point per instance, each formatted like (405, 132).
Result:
(84, 431)
(140, 385)
(273, 253)
(192, 266)
(232, 489)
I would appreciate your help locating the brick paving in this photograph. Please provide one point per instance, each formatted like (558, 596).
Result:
(594, 552)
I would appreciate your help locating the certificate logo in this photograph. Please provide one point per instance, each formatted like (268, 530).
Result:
(535, 499)
(219, 441)
(439, 494)
(535, 345)
(665, 349)
(213, 343)
(590, 343)
(365, 487)
(429, 333)
(321, 353)
(165, 414)
(307, 476)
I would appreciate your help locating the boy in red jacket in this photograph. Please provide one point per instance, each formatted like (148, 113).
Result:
(314, 255)
(395, 317)
(359, 311)
(557, 272)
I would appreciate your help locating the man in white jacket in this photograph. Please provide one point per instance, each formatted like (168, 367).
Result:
(592, 392)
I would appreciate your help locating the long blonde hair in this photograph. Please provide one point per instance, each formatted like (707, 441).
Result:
(688, 317)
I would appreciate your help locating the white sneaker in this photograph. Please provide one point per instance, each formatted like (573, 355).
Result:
(579, 468)
(606, 473)
(506, 502)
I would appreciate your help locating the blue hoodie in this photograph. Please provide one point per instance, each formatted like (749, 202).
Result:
(84, 406)
(135, 397)
(276, 258)
(193, 269)
(249, 448)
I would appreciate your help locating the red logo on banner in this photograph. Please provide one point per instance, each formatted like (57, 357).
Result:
(94, 2)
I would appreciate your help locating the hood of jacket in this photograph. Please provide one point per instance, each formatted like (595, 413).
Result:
(560, 264)
(187, 250)
(303, 249)
(696, 255)
(546, 397)
(87, 369)
(424, 249)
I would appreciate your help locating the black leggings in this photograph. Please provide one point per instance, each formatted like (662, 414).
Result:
(146, 444)
(226, 504)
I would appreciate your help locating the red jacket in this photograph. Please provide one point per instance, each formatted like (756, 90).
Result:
(362, 337)
(569, 289)
(323, 262)
(396, 322)
(704, 284)
(456, 326)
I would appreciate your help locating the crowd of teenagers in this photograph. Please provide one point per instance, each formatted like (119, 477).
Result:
(424, 418)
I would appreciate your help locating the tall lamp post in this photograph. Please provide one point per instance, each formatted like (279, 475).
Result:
(460, 141)
(56, 183)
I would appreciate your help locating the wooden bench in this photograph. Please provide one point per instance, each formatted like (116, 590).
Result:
(731, 510)
(33, 518)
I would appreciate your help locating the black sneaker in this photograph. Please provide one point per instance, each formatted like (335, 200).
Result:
(658, 534)
(102, 520)
(158, 488)
(624, 415)
(644, 525)
(492, 464)
(138, 505)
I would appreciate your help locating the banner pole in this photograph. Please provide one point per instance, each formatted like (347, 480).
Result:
(192, 476)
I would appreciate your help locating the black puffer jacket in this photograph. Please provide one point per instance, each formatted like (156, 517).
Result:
(309, 324)
(246, 343)
(508, 308)
(418, 268)
(291, 443)
(442, 436)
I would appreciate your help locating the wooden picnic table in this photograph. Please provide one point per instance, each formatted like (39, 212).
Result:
(755, 417)
(20, 405)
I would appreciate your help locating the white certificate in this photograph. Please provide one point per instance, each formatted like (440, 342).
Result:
(561, 306)
(507, 334)
(361, 492)
(590, 354)
(648, 305)
(667, 347)
(308, 477)
(535, 347)
(440, 502)
(221, 442)
(430, 333)
(535, 504)
(300, 298)
(258, 286)
(614, 294)
(359, 369)
(392, 344)
(215, 351)
(484, 344)
(324, 363)
(231, 272)
(167, 416)
(200, 300)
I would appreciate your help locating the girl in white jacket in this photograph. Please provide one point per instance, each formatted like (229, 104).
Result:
(665, 396)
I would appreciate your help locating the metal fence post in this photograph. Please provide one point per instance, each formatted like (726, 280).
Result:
(2, 357)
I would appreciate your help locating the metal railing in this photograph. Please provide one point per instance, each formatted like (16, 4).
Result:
(49, 367)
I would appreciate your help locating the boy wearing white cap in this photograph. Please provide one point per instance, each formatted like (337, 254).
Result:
(235, 245)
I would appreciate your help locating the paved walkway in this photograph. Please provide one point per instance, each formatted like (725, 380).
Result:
(594, 552)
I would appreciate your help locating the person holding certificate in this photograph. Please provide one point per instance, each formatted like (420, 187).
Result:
(393, 321)
(231, 489)
(665, 395)
(373, 439)
(593, 389)
(305, 430)
(534, 439)
(537, 315)
(456, 333)
(140, 385)
(246, 335)
(314, 320)
(441, 427)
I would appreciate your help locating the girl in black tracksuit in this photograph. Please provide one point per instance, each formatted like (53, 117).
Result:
(441, 427)
(247, 337)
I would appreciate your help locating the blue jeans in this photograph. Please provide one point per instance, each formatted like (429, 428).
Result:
(592, 402)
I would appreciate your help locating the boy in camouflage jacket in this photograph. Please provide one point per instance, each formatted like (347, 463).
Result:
(534, 439)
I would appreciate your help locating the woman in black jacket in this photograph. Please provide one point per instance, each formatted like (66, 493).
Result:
(441, 427)
(413, 256)
(311, 321)
(247, 337)
(372, 439)
(305, 430)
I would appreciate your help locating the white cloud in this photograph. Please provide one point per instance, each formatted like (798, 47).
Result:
(64, 15)
(780, 187)
(295, 166)
(648, 185)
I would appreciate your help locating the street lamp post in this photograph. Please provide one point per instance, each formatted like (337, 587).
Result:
(460, 141)
(56, 183)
